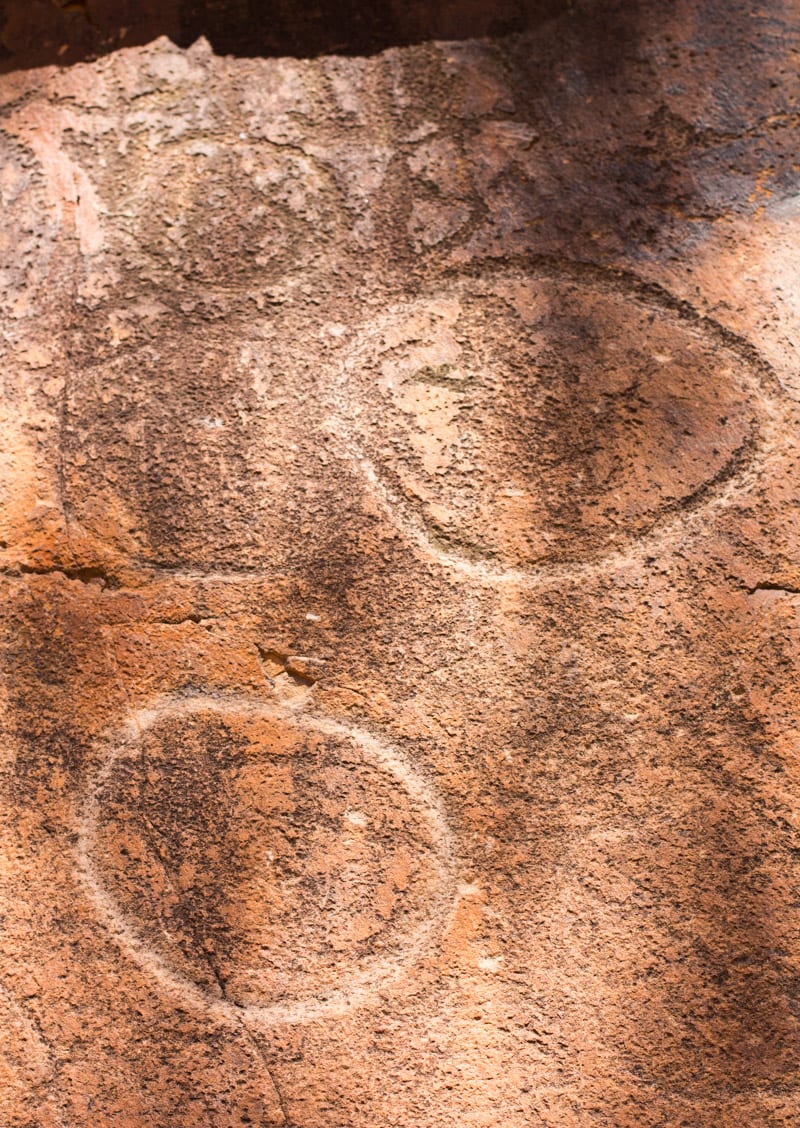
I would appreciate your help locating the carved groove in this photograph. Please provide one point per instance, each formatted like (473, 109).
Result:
(261, 864)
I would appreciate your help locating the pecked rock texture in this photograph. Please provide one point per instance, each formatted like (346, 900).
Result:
(400, 569)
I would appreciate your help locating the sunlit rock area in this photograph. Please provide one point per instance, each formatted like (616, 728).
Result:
(400, 565)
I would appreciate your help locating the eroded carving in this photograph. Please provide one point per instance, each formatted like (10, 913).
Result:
(274, 865)
(517, 422)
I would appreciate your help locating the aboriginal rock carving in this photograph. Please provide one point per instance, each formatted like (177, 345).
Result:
(399, 551)
(515, 423)
(277, 866)
(534, 419)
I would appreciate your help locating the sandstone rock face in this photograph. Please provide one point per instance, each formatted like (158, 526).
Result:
(400, 579)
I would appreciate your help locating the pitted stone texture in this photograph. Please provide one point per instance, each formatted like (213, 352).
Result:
(199, 443)
(521, 420)
(286, 866)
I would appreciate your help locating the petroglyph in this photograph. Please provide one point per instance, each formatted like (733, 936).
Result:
(310, 409)
(529, 422)
(262, 863)
(525, 423)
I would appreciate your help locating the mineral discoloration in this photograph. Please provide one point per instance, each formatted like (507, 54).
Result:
(257, 315)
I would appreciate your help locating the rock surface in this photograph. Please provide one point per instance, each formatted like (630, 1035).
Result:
(400, 568)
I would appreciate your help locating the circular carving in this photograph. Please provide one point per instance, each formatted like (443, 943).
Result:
(520, 422)
(279, 866)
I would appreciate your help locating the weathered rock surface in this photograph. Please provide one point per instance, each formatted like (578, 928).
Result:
(400, 567)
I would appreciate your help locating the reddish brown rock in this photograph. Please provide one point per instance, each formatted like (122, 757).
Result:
(400, 570)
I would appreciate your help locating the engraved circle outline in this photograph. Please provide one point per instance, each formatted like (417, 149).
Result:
(754, 376)
(380, 972)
